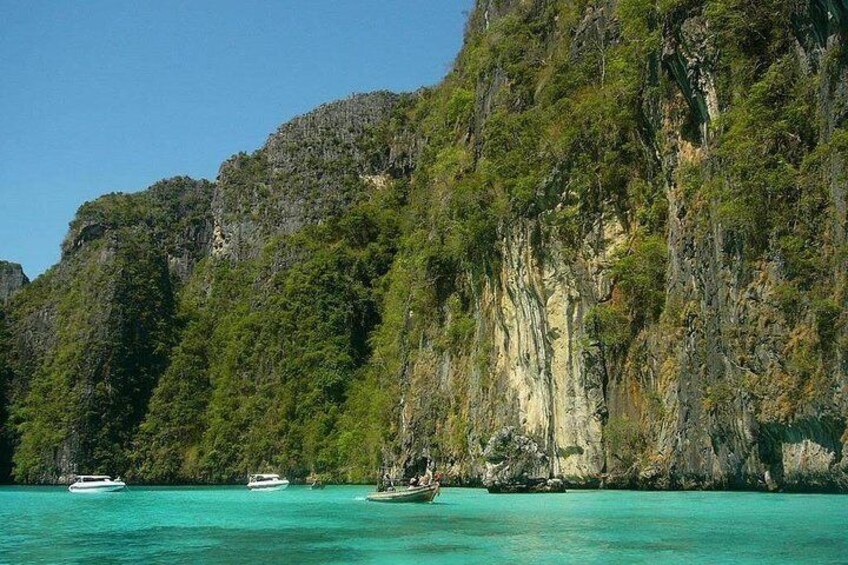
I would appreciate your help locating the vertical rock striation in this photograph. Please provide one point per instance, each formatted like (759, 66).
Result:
(737, 384)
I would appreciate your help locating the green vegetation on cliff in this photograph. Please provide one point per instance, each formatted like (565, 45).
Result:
(271, 349)
(96, 333)
(619, 226)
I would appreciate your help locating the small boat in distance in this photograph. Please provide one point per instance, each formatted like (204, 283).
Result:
(412, 494)
(96, 483)
(266, 482)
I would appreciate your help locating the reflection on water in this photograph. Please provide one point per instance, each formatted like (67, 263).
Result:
(233, 525)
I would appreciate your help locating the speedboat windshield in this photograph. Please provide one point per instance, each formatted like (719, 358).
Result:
(92, 478)
(260, 478)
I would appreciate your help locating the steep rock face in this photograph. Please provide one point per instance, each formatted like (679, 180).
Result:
(740, 382)
(177, 211)
(12, 278)
(608, 250)
(279, 315)
(748, 412)
(541, 376)
(89, 338)
(310, 169)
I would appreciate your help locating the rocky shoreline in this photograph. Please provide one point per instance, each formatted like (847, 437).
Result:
(516, 464)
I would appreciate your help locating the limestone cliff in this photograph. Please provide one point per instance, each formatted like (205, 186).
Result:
(12, 279)
(310, 169)
(86, 342)
(738, 378)
(610, 245)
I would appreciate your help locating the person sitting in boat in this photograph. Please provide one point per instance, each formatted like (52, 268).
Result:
(426, 479)
(413, 482)
(386, 484)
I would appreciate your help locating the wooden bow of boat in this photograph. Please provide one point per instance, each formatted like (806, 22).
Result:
(413, 494)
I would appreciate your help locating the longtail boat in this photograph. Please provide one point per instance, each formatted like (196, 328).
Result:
(412, 494)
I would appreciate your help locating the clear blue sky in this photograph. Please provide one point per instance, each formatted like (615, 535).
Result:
(110, 95)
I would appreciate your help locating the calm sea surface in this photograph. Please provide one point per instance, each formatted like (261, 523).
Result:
(233, 525)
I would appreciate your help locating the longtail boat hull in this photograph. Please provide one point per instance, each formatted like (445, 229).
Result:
(416, 494)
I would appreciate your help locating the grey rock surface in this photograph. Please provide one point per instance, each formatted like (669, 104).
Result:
(514, 461)
(12, 279)
(311, 168)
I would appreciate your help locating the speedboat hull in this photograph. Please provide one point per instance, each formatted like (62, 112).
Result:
(268, 486)
(415, 494)
(93, 488)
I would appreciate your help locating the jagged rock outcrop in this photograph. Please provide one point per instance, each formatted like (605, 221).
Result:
(515, 464)
(176, 210)
(312, 168)
(12, 279)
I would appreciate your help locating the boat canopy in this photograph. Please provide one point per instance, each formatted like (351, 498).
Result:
(93, 477)
(264, 477)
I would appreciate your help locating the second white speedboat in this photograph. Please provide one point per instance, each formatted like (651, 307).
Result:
(266, 482)
(96, 483)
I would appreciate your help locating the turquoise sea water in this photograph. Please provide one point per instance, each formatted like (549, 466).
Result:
(233, 525)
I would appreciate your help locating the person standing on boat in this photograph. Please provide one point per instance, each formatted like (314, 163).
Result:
(387, 484)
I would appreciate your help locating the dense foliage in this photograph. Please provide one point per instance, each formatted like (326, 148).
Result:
(597, 130)
(105, 321)
(270, 351)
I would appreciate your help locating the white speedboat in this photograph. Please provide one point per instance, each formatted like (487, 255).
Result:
(266, 482)
(96, 483)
